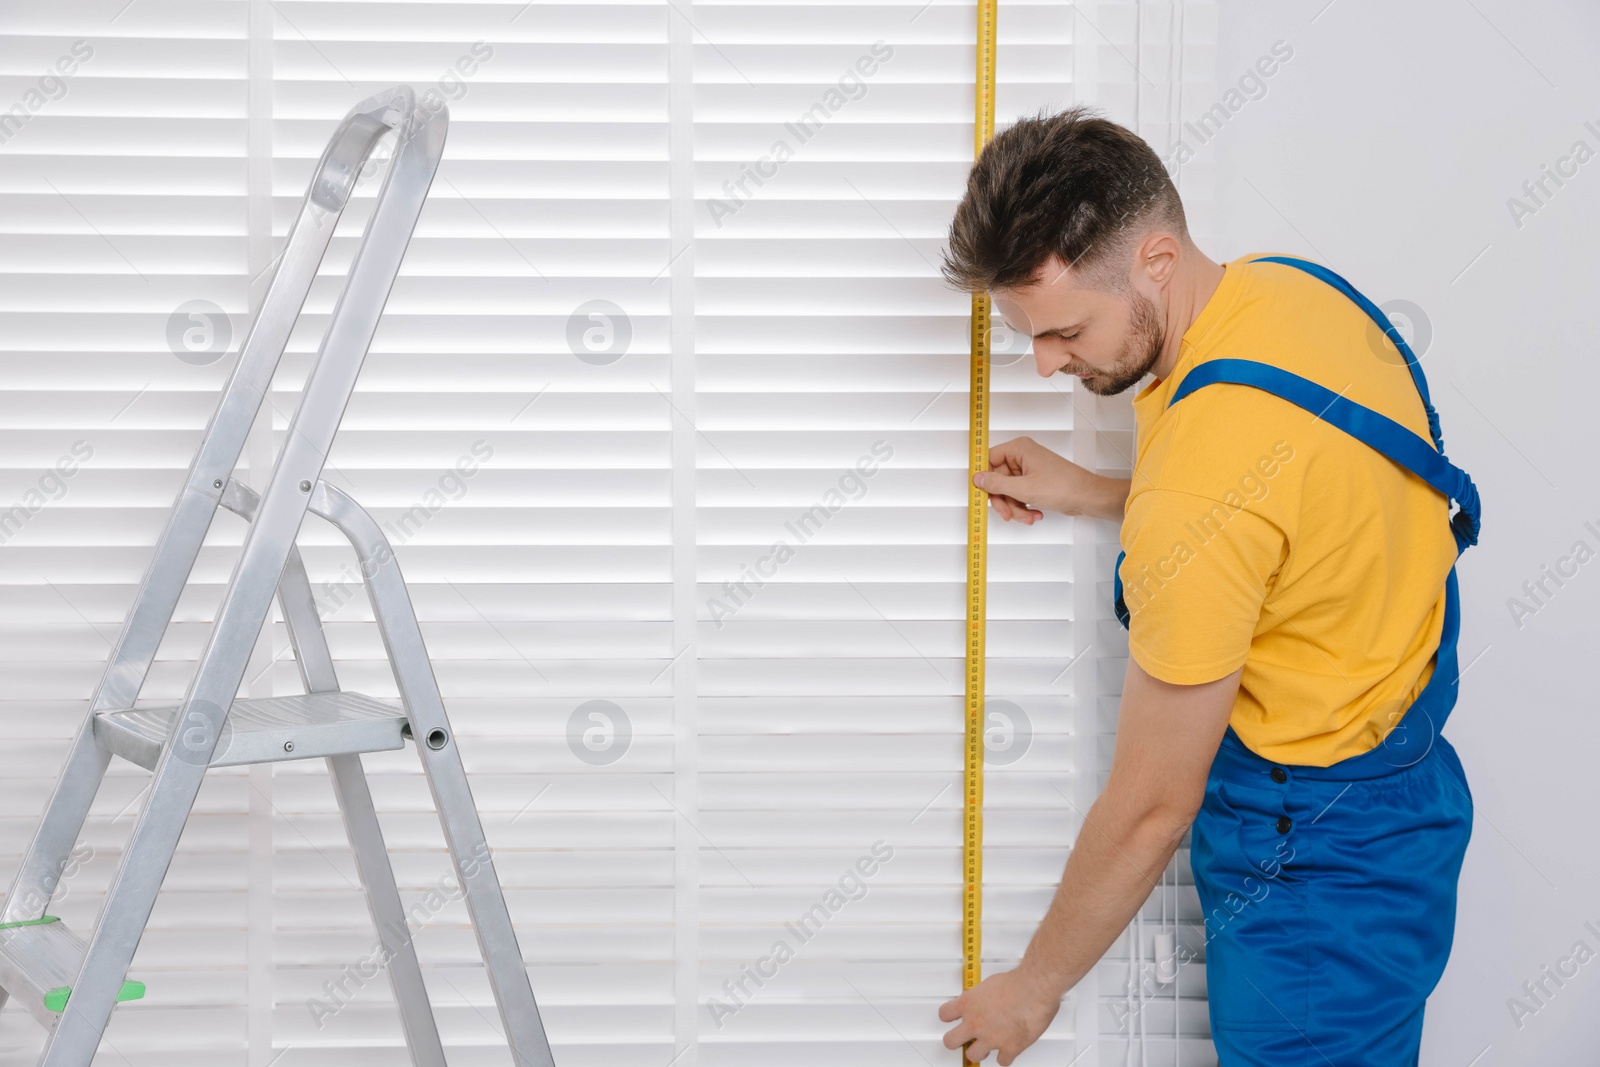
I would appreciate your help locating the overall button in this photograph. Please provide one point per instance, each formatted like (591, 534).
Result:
(1279, 776)
(1284, 824)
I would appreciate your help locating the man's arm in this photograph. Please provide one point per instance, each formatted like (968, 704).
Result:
(1167, 736)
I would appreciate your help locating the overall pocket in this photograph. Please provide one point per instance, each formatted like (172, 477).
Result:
(1250, 876)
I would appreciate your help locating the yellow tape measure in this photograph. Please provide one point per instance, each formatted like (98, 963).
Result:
(977, 517)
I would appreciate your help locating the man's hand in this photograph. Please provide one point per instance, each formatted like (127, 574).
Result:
(1026, 479)
(1005, 1012)
(1167, 736)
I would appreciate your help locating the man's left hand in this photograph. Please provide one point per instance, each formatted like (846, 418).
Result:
(1005, 1012)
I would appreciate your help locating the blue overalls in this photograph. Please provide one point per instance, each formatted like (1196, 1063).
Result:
(1329, 892)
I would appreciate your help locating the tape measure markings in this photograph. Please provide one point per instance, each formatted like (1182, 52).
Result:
(977, 577)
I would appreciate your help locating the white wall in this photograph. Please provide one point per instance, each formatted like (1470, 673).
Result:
(1387, 148)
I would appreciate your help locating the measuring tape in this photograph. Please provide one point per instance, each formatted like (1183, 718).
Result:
(977, 518)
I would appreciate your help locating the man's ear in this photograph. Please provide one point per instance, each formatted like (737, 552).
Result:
(1157, 257)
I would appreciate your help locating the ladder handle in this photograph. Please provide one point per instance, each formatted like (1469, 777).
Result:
(281, 508)
(193, 508)
(243, 394)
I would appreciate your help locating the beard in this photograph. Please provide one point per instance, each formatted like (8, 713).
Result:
(1140, 350)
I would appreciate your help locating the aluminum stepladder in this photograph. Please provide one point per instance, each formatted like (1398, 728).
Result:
(71, 987)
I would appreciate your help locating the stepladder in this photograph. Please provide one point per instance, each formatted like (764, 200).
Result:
(70, 983)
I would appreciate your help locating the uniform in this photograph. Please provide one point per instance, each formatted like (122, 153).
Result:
(1289, 515)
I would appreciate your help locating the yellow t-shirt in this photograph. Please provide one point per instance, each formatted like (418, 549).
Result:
(1258, 535)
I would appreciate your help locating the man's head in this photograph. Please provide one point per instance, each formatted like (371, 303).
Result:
(1074, 227)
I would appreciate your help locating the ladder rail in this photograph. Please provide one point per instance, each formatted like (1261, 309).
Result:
(195, 505)
(447, 779)
(360, 816)
(245, 603)
(407, 654)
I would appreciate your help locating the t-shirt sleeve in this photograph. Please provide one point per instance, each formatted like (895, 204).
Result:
(1194, 580)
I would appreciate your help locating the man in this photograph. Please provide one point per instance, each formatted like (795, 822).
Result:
(1289, 593)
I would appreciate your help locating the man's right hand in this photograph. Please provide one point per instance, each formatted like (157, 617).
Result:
(1026, 479)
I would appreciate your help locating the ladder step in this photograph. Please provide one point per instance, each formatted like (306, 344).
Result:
(39, 960)
(265, 730)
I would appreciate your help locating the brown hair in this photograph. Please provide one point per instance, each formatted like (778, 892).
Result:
(1071, 185)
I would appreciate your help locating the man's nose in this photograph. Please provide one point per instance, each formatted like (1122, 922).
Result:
(1048, 356)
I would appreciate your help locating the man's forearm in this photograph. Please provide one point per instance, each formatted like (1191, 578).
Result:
(1107, 499)
(1108, 876)
(1167, 738)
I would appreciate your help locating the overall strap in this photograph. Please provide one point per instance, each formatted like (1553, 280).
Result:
(1378, 432)
(1379, 319)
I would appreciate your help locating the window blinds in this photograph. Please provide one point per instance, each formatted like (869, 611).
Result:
(122, 167)
(831, 145)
